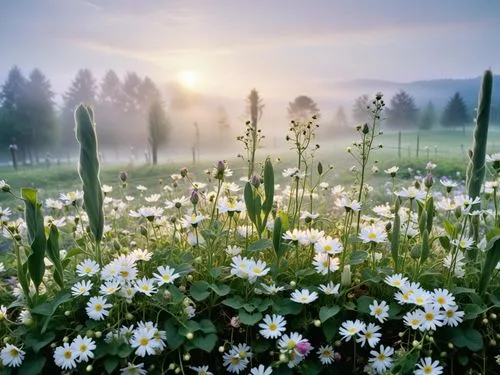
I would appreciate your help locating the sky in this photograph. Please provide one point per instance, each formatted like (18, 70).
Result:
(281, 47)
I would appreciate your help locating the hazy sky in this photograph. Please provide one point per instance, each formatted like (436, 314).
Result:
(278, 46)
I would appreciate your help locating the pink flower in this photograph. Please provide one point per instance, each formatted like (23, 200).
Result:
(303, 348)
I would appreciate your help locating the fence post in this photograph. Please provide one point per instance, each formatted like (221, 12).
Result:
(409, 152)
(399, 144)
(418, 143)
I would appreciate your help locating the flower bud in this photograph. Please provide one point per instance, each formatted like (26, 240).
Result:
(293, 284)
(167, 295)
(186, 357)
(177, 370)
(195, 198)
(221, 349)
(428, 181)
(184, 172)
(67, 313)
(190, 335)
(365, 129)
(123, 176)
(171, 366)
(89, 368)
(346, 277)
(255, 181)
(65, 339)
(317, 323)
(98, 334)
(283, 357)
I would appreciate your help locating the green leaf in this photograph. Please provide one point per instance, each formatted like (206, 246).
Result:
(249, 319)
(249, 203)
(284, 306)
(444, 241)
(396, 227)
(268, 187)
(49, 308)
(260, 245)
(199, 290)
(207, 326)
(53, 255)
(206, 343)
(330, 328)
(36, 233)
(467, 337)
(277, 234)
(260, 346)
(89, 168)
(220, 290)
(124, 351)
(449, 228)
(235, 302)
(358, 257)
(326, 312)
(490, 262)
(472, 311)
(110, 364)
(38, 341)
(364, 303)
(32, 365)
(174, 339)
(424, 250)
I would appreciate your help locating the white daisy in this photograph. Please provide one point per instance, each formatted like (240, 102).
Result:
(432, 318)
(65, 357)
(272, 326)
(350, 328)
(81, 288)
(303, 296)
(379, 311)
(326, 354)
(443, 298)
(87, 268)
(369, 334)
(452, 316)
(83, 347)
(132, 369)
(261, 370)
(109, 287)
(165, 275)
(201, 370)
(146, 286)
(143, 339)
(97, 308)
(381, 360)
(12, 356)
(428, 367)
(330, 288)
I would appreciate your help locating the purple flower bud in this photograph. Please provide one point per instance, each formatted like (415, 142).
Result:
(303, 347)
(195, 198)
(255, 181)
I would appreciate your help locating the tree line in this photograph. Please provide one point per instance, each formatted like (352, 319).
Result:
(127, 109)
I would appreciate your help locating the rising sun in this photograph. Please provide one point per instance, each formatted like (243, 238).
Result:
(188, 78)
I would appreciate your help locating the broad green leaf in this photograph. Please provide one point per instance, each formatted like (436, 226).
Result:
(235, 302)
(358, 257)
(32, 365)
(174, 339)
(38, 341)
(206, 343)
(260, 245)
(467, 337)
(220, 290)
(53, 255)
(207, 326)
(199, 290)
(364, 303)
(326, 312)
(285, 306)
(111, 363)
(249, 319)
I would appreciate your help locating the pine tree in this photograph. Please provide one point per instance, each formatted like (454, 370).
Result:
(82, 90)
(455, 112)
(340, 121)
(132, 89)
(403, 112)
(429, 117)
(14, 111)
(159, 129)
(360, 111)
(42, 121)
(302, 108)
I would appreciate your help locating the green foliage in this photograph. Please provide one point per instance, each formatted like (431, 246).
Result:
(89, 168)
(455, 112)
(402, 113)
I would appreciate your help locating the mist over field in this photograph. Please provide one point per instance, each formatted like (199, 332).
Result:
(200, 60)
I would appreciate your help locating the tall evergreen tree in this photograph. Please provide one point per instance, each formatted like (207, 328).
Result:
(82, 90)
(429, 117)
(302, 108)
(159, 129)
(14, 112)
(42, 121)
(133, 95)
(403, 112)
(360, 109)
(111, 91)
(455, 112)
(340, 121)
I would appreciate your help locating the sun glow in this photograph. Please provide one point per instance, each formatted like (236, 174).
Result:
(188, 78)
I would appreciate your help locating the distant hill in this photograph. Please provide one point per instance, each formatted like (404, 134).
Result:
(438, 90)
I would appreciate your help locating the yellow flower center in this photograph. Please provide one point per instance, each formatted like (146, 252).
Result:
(429, 316)
(372, 236)
(87, 269)
(67, 354)
(381, 357)
(291, 344)
(441, 300)
(415, 322)
(368, 335)
(328, 248)
(427, 369)
(450, 313)
(326, 353)
(98, 307)
(273, 326)
(144, 341)
(124, 273)
(378, 311)
(166, 277)
(352, 330)
(303, 299)
(83, 348)
(13, 353)
(235, 360)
